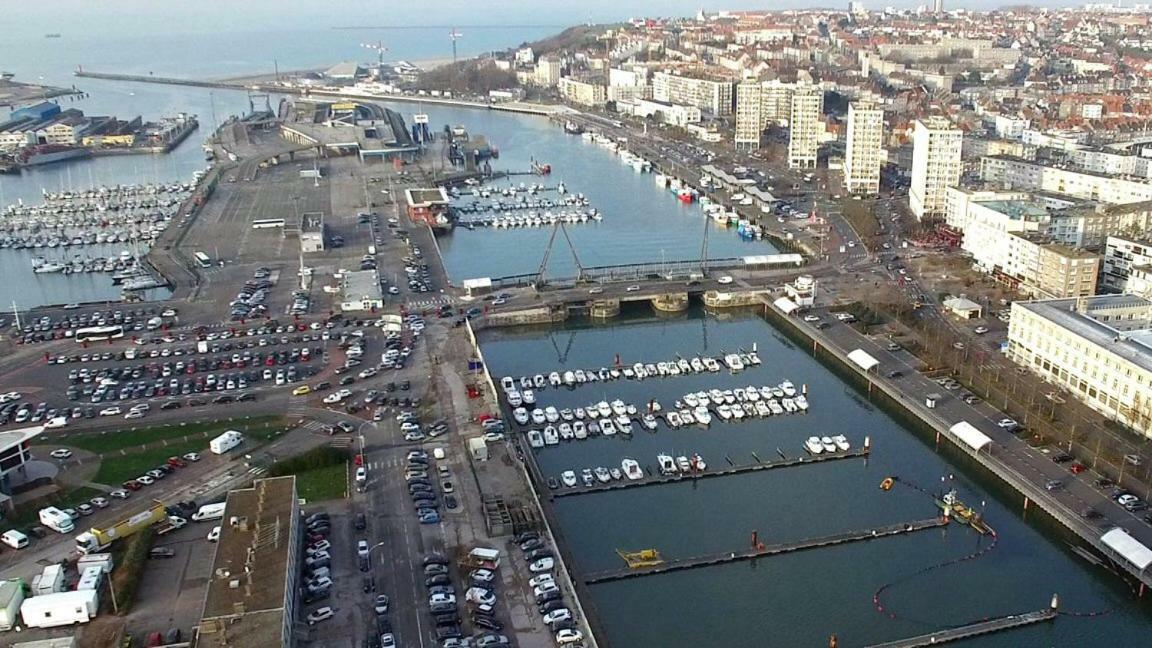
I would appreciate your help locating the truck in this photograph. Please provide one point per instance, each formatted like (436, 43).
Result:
(170, 524)
(225, 442)
(11, 598)
(94, 540)
(57, 520)
(201, 347)
(209, 512)
(483, 557)
(64, 608)
(50, 581)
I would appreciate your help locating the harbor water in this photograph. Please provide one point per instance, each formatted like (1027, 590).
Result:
(796, 599)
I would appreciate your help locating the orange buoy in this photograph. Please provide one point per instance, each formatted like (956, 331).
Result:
(887, 483)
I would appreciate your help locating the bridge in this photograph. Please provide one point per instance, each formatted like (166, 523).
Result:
(651, 271)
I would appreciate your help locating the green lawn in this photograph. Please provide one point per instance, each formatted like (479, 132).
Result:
(29, 515)
(114, 470)
(325, 483)
(262, 427)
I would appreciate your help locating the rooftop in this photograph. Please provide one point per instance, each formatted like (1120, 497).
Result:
(362, 284)
(1134, 344)
(426, 197)
(250, 580)
(1018, 209)
(14, 437)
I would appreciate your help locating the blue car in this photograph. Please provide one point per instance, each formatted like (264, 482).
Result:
(431, 517)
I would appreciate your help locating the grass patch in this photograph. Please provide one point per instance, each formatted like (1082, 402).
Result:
(115, 470)
(319, 484)
(29, 514)
(123, 439)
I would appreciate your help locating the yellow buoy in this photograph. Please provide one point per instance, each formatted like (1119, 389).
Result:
(887, 483)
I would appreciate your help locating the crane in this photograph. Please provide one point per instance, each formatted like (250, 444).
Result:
(455, 36)
(378, 46)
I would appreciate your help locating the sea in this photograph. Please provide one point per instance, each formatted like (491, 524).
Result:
(862, 593)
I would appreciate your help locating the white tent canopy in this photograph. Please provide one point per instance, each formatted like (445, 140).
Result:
(787, 306)
(863, 360)
(971, 437)
(1129, 548)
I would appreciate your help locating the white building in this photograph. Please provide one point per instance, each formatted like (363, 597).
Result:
(668, 113)
(1017, 173)
(757, 105)
(547, 71)
(361, 291)
(1128, 266)
(805, 127)
(864, 152)
(936, 150)
(1010, 126)
(1098, 348)
(711, 96)
(583, 93)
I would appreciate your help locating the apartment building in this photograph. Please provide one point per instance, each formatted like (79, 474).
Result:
(864, 152)
(805, 127)
(1127, 266)
(667, 113)
(757, 105)
(583, 93)
(936, 151)
(1098, 348)
(1017, 173)
(714, 97)
(547, 71)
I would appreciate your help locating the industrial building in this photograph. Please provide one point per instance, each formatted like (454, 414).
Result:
(430, 207)
(361, 291)
(1098, 348)
(864, 151)
(936, 151)
(346, 127)
(252, 591)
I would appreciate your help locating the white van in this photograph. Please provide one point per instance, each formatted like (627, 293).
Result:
(14, 539)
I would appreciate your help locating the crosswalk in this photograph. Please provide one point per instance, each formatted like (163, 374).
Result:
(256, 471)
(341, 442)
(297, 406)
(435, 301)
(315, 427)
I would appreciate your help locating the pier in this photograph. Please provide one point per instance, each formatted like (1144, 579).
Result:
(764, 551)
(723, 472)
(972, 630)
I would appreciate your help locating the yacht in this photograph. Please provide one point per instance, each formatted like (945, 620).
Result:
(528, 396)
(711, 364)
(607, 427)
(507, 383)
(618, 408)
(569, 478)
(788, 388)
(567, 414)
(551, 437)
(754, 357)
(514, 398)
(654, 406)
(650, 421)
(674, 419)
(521, 415)
(724, 411)
(579, 430)
(686, 417)
(814, 445)
(737, 412)
(539, 381)
(698, 365)
(580, 376)
(666, 464)
(554, 379)
(551, 414)
(525, 383)
(632, 469)
(703, 417)
(789, 405)
(801, 402)
(762, 409)
(775, 407)
(690, 400)
(569, 378)
(752, 394)
(616, 474)
(579, 413)
(593, 428)
(586, 476)
(630, 409)
(604, 409)
(698, 463)
(749, 409)
(538, 416)
(828, 445)
(602, 475)
(624, 424)
(685, 366)
(841, 442)
(535, 439)
(683, 464)
(566, 431)
(734, 362)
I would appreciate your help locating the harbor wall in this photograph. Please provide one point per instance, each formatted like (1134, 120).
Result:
(932, 429)
(583, 608)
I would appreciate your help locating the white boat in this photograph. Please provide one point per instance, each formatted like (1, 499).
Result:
(632, 469)
(775, 407)
(624, 424)
(607, 427)
(551, 415)
(529, 397)
(766, 392)
(711, 364)
(752, 394)
(686, 366)
(841, 442)
(579, 413)
(690, 400)
(666, 464)
(565, 430)
(789, 405)
(604, 408)
(828, 445)
(567, 414)
(639, 370)
(586, 476)
(737, 412)
(788, 388)
(754, 357)
(602, 475)
(654, 406)
(569, 478)
(698, 464)
(507, 383)
(538, 416)
(650, 421)
(535, 439)
(551, 436)
(749, 409)
(525, 383)
(540, 381)
(618, 408)
(580, 376)
(729, 397)
(762, 409)
(514, 398)
(734, 363)
(521, 415)
(630, 409)
(579, 430)
(569, 378)
(698, 365)
(814, 445)
(592, 412)
(617, 475)
(673, 419)
(703, 416)
(554, 379)
(683, 464)
(801, 402)
(724, 411)
(686, 417)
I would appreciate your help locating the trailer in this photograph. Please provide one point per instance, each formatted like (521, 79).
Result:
(11, 598)
(225, 442)
(57, 520)
(94, 540)
(51, 581)
(90, 578)
(64, 608)
(102, 560)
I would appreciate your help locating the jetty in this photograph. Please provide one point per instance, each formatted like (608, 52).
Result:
(970, 630)
(656, 480)
(764, 551)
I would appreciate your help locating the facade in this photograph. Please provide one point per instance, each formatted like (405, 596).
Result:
(1018, 173)
(361, 291)
(547, 71)
(936, 151)
(668, 113)
(1127, 266)
(253, 591)
(757, 105)
(1098, 348)
(864, 149)
(583, 93)
(805, 127)
(711, 96)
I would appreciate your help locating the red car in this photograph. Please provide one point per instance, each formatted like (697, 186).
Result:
(132, 485)
(176, 462)
(1077, 468)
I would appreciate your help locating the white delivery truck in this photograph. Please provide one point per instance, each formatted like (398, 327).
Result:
(57, 520)
(209, 512)
(11, 597)
(14, 539)
(51, 580)
(64, 608)
(225, 442)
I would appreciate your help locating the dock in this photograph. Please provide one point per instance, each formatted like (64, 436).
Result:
(972, 630)
(764, 551)
(722, 472)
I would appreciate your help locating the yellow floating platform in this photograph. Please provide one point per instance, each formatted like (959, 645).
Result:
(642, 558)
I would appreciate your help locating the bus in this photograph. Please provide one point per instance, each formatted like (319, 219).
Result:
(203, 260)
(98, 333)
(267, 223)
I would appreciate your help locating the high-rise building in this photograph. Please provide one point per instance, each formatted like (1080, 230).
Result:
(938, 6)
(862, 157)
(711, 96)
(936, 147)
(757, 105)
(805, 126)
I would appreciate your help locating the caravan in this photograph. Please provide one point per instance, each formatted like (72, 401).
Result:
(225, 442)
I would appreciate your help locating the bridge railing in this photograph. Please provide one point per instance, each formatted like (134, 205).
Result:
(662, 270)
